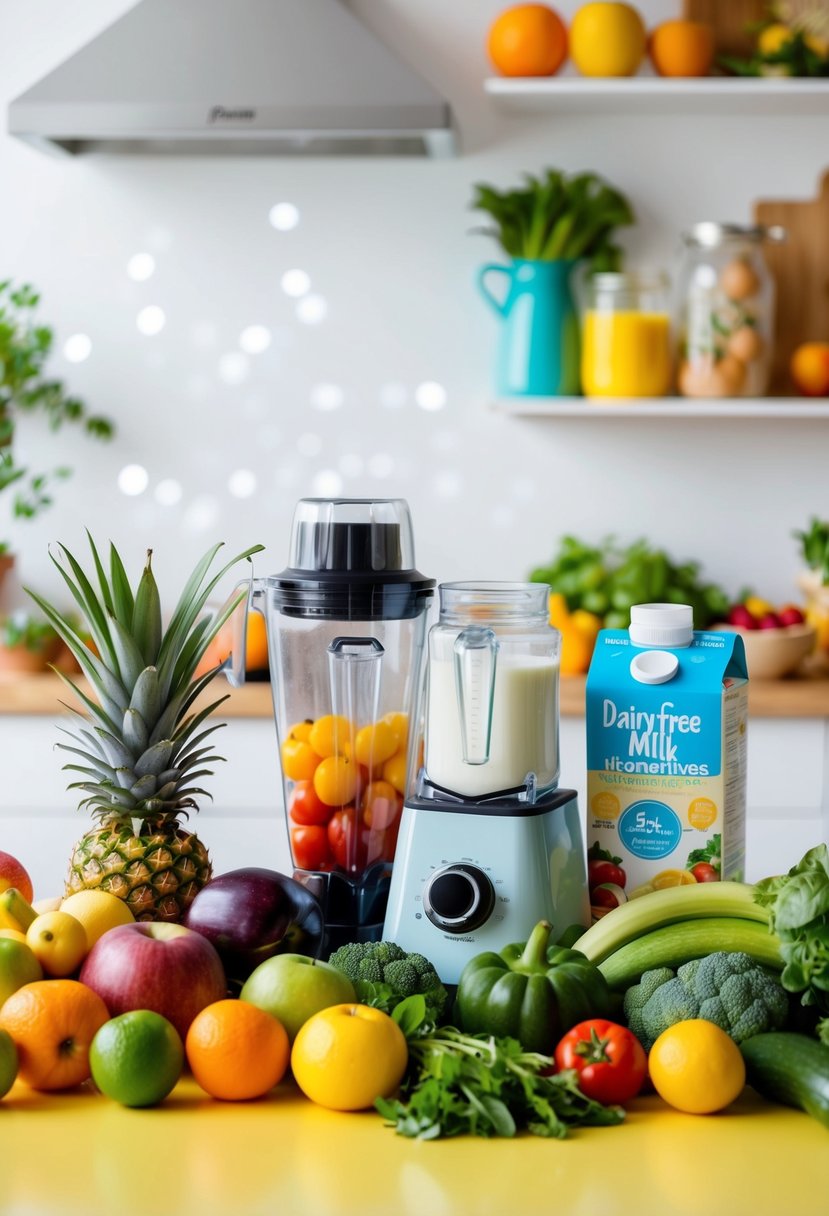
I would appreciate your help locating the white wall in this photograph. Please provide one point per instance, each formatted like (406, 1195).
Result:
(387, 244)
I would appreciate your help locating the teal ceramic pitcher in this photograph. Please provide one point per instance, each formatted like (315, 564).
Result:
(538, 346)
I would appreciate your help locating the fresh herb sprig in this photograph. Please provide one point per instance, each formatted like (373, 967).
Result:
(463, 1084)
(556, 217)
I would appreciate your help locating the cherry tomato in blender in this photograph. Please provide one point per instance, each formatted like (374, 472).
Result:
(309, 845)
(306, 805)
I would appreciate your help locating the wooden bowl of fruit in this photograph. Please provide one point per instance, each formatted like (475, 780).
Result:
(776, 640)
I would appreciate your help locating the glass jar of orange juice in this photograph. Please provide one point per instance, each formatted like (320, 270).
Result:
(626, 336)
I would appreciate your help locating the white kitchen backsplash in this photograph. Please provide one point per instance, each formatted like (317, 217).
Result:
(263, 329)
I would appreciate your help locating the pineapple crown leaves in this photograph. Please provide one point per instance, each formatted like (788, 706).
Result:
(140, 753)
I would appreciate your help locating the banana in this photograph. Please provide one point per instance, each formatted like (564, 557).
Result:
(15, 911)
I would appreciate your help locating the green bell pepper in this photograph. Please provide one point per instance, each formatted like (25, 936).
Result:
(533, 992)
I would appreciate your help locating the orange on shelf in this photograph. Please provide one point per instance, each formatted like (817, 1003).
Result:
(527, 40)
(682, 48)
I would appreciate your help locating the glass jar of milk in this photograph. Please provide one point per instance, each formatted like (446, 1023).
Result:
(491, 722)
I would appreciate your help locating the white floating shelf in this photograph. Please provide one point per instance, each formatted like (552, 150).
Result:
(665, 407)
(656, 95)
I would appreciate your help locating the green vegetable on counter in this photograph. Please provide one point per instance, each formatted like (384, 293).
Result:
(608, 580)
(532, 991)
(790, 1068)
(482, 1085)
(798, 908)
(383, 975)
(814, 546)
(727, 988)
(558, 218)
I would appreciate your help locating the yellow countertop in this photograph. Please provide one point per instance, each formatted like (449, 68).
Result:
(79, 1154)
(802, 697)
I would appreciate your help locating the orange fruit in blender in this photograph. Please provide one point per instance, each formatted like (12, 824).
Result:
(682, 48)
(236, 1050)
(527, 40)
(53, 1023)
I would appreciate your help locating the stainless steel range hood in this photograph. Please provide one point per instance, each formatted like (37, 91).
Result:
(271, 77)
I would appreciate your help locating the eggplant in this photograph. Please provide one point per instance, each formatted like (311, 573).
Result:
(252, 914)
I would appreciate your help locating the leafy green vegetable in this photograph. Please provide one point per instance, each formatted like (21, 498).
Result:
(795, 56)
(384, 974)
(556, 217)
(460, 1084)
(727, 987)
(798, 905)
(607, 579)
(814, 546)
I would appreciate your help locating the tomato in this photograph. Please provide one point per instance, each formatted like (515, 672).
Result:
(609, 1059)
(299, 760)
(601, 871)
(309, 845)
(381, 805)
(703, 872)
(606, 897)
(335, 780)
(348, 839)
(306, 805)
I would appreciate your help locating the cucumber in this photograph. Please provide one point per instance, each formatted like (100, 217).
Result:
(790, 1068)
(675, 944)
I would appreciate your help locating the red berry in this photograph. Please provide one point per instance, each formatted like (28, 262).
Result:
(770, 621)
(740, 616)
(791, 615)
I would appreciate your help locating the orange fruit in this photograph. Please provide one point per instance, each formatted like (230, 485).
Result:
(607, 40)
(53, 1023)
(346, 1056)
(256, 645)
(696, 1067)
(809, 369)
(576, 650)
(236, 1050)
(527, 40)
(682, 48)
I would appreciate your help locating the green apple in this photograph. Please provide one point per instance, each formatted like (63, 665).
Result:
(292, 987)
(8, 1062)
(18, 966)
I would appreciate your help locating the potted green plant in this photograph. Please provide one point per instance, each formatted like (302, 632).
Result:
(549, 227)
(27, 643)
(25, 388)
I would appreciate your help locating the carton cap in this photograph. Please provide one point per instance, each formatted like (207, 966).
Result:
(663, 625)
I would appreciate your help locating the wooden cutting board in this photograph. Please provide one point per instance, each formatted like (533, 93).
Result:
(800, 266)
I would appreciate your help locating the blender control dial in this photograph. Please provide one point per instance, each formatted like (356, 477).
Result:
(458, 898)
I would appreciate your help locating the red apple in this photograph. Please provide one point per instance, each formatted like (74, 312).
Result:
(13, 874)
(153, 965)
(740, 616)
(770, 620)
(791, 615)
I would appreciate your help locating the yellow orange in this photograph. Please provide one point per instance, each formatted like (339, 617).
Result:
(346, 1056)
(236, 1050)
(53, 1023)
(527, 40)
(607, 39)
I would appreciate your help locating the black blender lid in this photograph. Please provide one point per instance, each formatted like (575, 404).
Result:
(352, 559)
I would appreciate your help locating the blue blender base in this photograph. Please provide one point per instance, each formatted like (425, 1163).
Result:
(526, 861)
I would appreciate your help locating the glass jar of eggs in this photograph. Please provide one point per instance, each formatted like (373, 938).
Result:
(725, 311)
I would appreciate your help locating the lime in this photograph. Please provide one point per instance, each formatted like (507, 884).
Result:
(18, 966)
(8, 1062)
(136, 1058)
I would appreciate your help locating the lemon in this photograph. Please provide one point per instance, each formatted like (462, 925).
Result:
(8, 1062)
(137, 1058)
(346, 1056)
(757, 606)
(58, 942)
(607, 40)
(97, 911)
(773, 38)
(696, 1067)
(672, 878)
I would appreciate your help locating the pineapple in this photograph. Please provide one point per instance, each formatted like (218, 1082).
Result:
(140, 748)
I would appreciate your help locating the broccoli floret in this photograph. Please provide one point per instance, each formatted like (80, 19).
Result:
(728, 988)
(384, 974)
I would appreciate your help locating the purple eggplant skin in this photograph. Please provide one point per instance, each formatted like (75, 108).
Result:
(251, 914)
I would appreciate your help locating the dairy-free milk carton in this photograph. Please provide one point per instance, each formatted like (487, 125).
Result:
(667, 712)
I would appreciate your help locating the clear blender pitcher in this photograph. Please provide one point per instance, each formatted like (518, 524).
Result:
(492, 710)
(346, 626)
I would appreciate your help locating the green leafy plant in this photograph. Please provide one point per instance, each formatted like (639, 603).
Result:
(556, 217)
(798, 55)
(607, 579)
(24, 388)
(31, 632)
(475, 1084)
(814, 546)
(798, 906)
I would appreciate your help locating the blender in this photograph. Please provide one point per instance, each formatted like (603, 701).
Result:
(346, 628)
(488, 844)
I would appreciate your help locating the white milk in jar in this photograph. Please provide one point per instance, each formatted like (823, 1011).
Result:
(524, 726)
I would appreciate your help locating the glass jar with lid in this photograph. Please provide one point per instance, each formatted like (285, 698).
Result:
(626, 337)
(725, 311)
